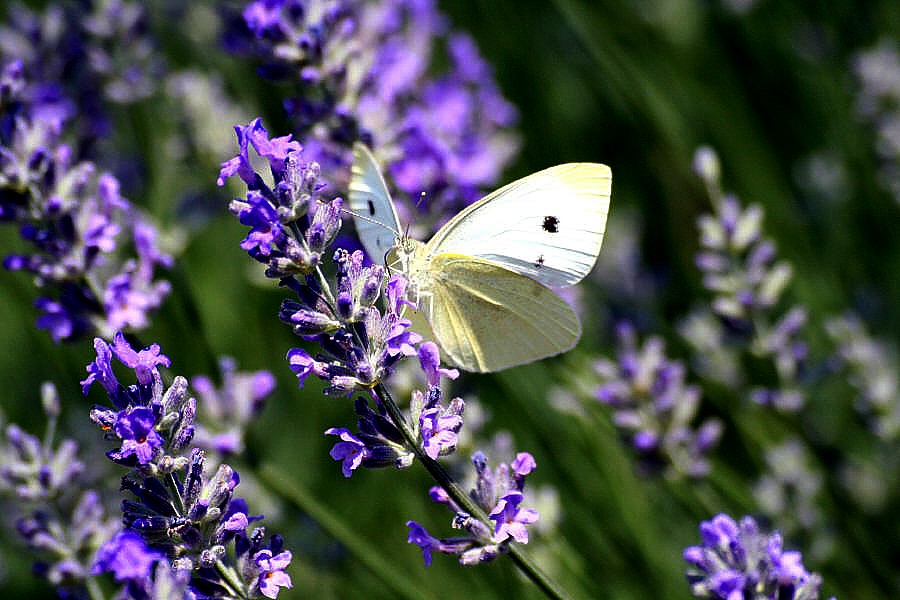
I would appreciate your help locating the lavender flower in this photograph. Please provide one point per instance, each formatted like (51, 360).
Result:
(291, 228)
(363, 71)
(65, 541)
(789, 492)
(654, 407)
(498, 492)
(380, 441)
(872, 367)
(177, 509)
(78, 224)
(62, 526)
(127, 557)
(741, 269)
(739, 562)
(34, 470)
(68, 55)
(878, 72)
(271, 572)
(226, 412)
(145, 572)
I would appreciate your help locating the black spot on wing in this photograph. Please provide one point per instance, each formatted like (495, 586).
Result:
(551, 224)
(539, 262)
(371, 207)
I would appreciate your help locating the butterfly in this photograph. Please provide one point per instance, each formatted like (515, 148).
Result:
(483, 282)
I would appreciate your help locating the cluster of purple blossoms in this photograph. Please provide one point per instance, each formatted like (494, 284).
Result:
(654, 407)
(380, 441)
(364, 71)
(292, 226)
(73, 50)
(737, 561)
(741, 269)
(500, 493)
(177, 512)
(81, 230)
(63, 523)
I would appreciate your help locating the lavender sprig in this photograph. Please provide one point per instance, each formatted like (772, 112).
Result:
(877, 70)
(292, 225)
(498, 492)
(365, 71)
(225, 412)
(737, 561)
(177, 509)
(68, 54)
(654, 407)
(871, 366)
(789, 493)
(63, 521)
(741, 269)
(81, 229)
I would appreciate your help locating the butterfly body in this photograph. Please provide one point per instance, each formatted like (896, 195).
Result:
(484, 280)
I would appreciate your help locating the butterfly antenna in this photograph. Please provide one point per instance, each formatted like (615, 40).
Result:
(419, 202)
(356, 215)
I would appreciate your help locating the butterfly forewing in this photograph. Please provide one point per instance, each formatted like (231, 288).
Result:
(488, 318)
(547, 226)
(369, 198)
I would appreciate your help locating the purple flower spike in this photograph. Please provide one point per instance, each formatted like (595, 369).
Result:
(70, 213)
(746, 281)
(738, 561)
(446, 136)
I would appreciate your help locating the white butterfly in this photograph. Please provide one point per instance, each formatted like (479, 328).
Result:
(483, 279)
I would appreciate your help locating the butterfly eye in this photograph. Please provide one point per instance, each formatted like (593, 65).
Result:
(551, 224)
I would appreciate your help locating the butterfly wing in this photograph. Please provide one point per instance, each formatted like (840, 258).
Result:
(369, 198)
(548, 226)
(488, 318)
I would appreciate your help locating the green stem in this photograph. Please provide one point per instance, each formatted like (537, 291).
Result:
(231, 578)
(172, 487)
(463, 500)
(93, 589)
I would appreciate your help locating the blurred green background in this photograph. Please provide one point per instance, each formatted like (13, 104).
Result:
(639, 86)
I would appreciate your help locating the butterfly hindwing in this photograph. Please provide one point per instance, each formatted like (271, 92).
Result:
(488, 318)
(548, 226)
